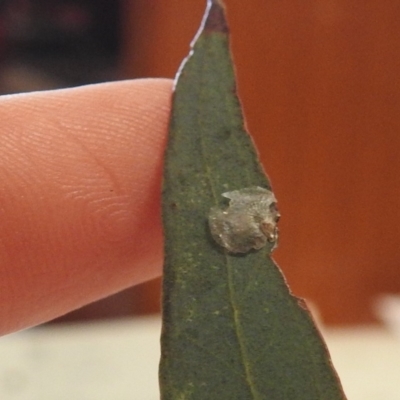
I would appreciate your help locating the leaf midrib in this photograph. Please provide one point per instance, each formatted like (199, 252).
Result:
(235, 311)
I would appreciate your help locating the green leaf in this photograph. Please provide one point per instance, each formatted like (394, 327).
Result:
(231, 327)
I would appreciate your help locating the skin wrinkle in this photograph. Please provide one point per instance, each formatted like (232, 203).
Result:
(79, 196)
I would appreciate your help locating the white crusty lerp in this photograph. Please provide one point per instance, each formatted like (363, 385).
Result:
(249, 222)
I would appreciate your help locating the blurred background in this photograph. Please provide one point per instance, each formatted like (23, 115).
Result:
(319, 82)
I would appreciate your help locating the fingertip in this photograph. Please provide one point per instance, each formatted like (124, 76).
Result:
(79, 195)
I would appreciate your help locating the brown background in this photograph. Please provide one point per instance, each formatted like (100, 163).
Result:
(319, 82)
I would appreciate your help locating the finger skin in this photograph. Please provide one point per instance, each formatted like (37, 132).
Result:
(80, 177)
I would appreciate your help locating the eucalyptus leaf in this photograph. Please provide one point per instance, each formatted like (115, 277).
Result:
(231, 327)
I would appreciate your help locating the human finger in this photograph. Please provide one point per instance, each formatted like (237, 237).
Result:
(79, 195)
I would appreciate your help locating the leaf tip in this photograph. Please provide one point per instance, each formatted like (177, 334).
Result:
(216, 20)
(219, 2)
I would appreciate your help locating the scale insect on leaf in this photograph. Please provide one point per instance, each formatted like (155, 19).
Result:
(249, 222)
